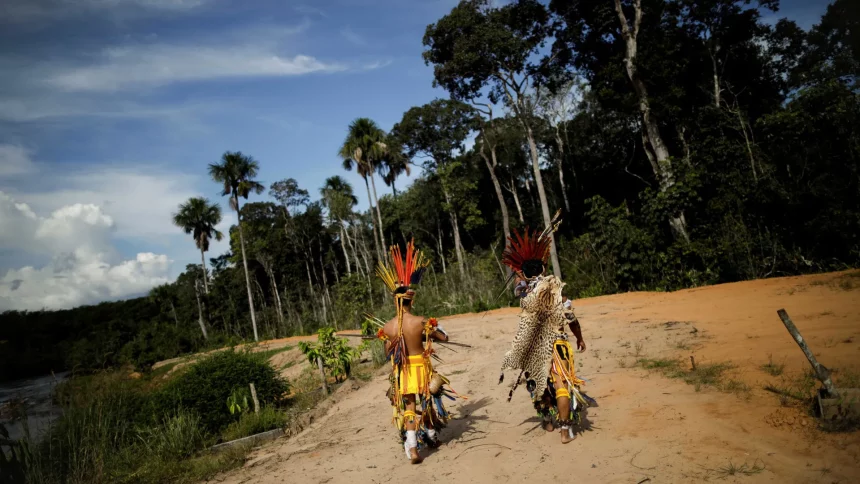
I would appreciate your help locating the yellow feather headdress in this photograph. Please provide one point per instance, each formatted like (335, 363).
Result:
(402, 272)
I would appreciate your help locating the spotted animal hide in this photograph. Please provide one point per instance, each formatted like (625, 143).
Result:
(541, 316)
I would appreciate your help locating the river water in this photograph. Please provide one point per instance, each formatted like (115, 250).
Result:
(36, 394)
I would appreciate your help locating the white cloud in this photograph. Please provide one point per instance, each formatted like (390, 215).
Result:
(352, 37)
(71, 280)
(84, 267)
(140, 200)
(160, 64)
(15, 160)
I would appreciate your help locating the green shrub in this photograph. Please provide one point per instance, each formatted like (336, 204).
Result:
(251, 423)
(335, 353)
(177, 437)
(206, 385)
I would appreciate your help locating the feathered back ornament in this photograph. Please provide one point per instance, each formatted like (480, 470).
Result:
(529, 252)
(402, 271)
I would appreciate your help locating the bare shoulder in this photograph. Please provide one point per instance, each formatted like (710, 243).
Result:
(390, 327)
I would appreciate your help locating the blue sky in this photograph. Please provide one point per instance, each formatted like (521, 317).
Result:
(110, 111)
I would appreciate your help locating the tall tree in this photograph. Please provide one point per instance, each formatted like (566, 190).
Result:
(487, 143)
(434, 133)
(363, 149)
(290, 195)
(393, 164)
(236, 172)
(477, 46)
(198, 217)
(338, 199)
(592, 31)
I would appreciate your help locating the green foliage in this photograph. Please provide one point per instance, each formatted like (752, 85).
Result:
(251, 423)
(113, 429)
(239, 401)
(206, 385)
(177, 436)
(334, 352)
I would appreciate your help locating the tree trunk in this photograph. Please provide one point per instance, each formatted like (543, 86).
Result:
(560, 162)
(455, 226)
(200, 311)
(717, 90)
(361, 248)
(556, 267)
(322, 375)
(203, 266)
(441, 248)
(663, 166)
(326, 294)
(343, 243)
(513, 190)
(506, 224)
(247, 276)
(277, 295)
(173, 310)
(378, 214)
(374, 223)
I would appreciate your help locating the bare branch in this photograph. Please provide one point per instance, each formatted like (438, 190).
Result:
(637, 5)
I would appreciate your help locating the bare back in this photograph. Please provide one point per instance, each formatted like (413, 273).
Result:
(413, 330)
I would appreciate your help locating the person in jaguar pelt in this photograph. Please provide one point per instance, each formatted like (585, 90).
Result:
(541, 349)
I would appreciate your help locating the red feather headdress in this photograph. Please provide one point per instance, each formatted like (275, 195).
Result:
(529, 246)
(403, 271)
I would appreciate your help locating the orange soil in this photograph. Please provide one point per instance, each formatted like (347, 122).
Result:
(646, 426)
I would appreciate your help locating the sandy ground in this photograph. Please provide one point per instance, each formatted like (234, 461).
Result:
(647, 428)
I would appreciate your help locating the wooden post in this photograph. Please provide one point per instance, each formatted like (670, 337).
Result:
(821, 371)
(693, 362)
(254, 398)
(322, 375)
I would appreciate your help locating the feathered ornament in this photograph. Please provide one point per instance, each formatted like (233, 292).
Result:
(402, 271)
(528, 253)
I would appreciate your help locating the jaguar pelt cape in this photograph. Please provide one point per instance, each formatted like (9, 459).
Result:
(540, 319)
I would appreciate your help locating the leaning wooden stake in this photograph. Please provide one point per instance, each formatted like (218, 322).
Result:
(693, 362)
(821, 371)
(322, 375)
(254, 398)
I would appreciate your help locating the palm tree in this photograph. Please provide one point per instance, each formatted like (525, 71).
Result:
(338, 198)
(363, 148)
(199, 217)
(236, 172)
(393, 164)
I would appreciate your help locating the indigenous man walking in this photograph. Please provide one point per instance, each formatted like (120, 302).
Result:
(541, 349)
(416, 390)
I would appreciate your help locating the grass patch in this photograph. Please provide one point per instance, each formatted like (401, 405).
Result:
(744, 469)
(251, 423)
(162, 370)
(771, 368)
(265, 355)
(116, 429)
(703, 375)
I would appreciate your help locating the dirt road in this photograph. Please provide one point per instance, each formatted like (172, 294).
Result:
(647, 426)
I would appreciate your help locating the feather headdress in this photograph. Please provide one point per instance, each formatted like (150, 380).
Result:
(402, 271)
(529, 252)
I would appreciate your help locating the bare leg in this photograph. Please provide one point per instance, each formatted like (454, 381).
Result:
(411, 445)
(563, 409)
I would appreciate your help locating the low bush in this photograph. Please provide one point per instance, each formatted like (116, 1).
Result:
(206, 386)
